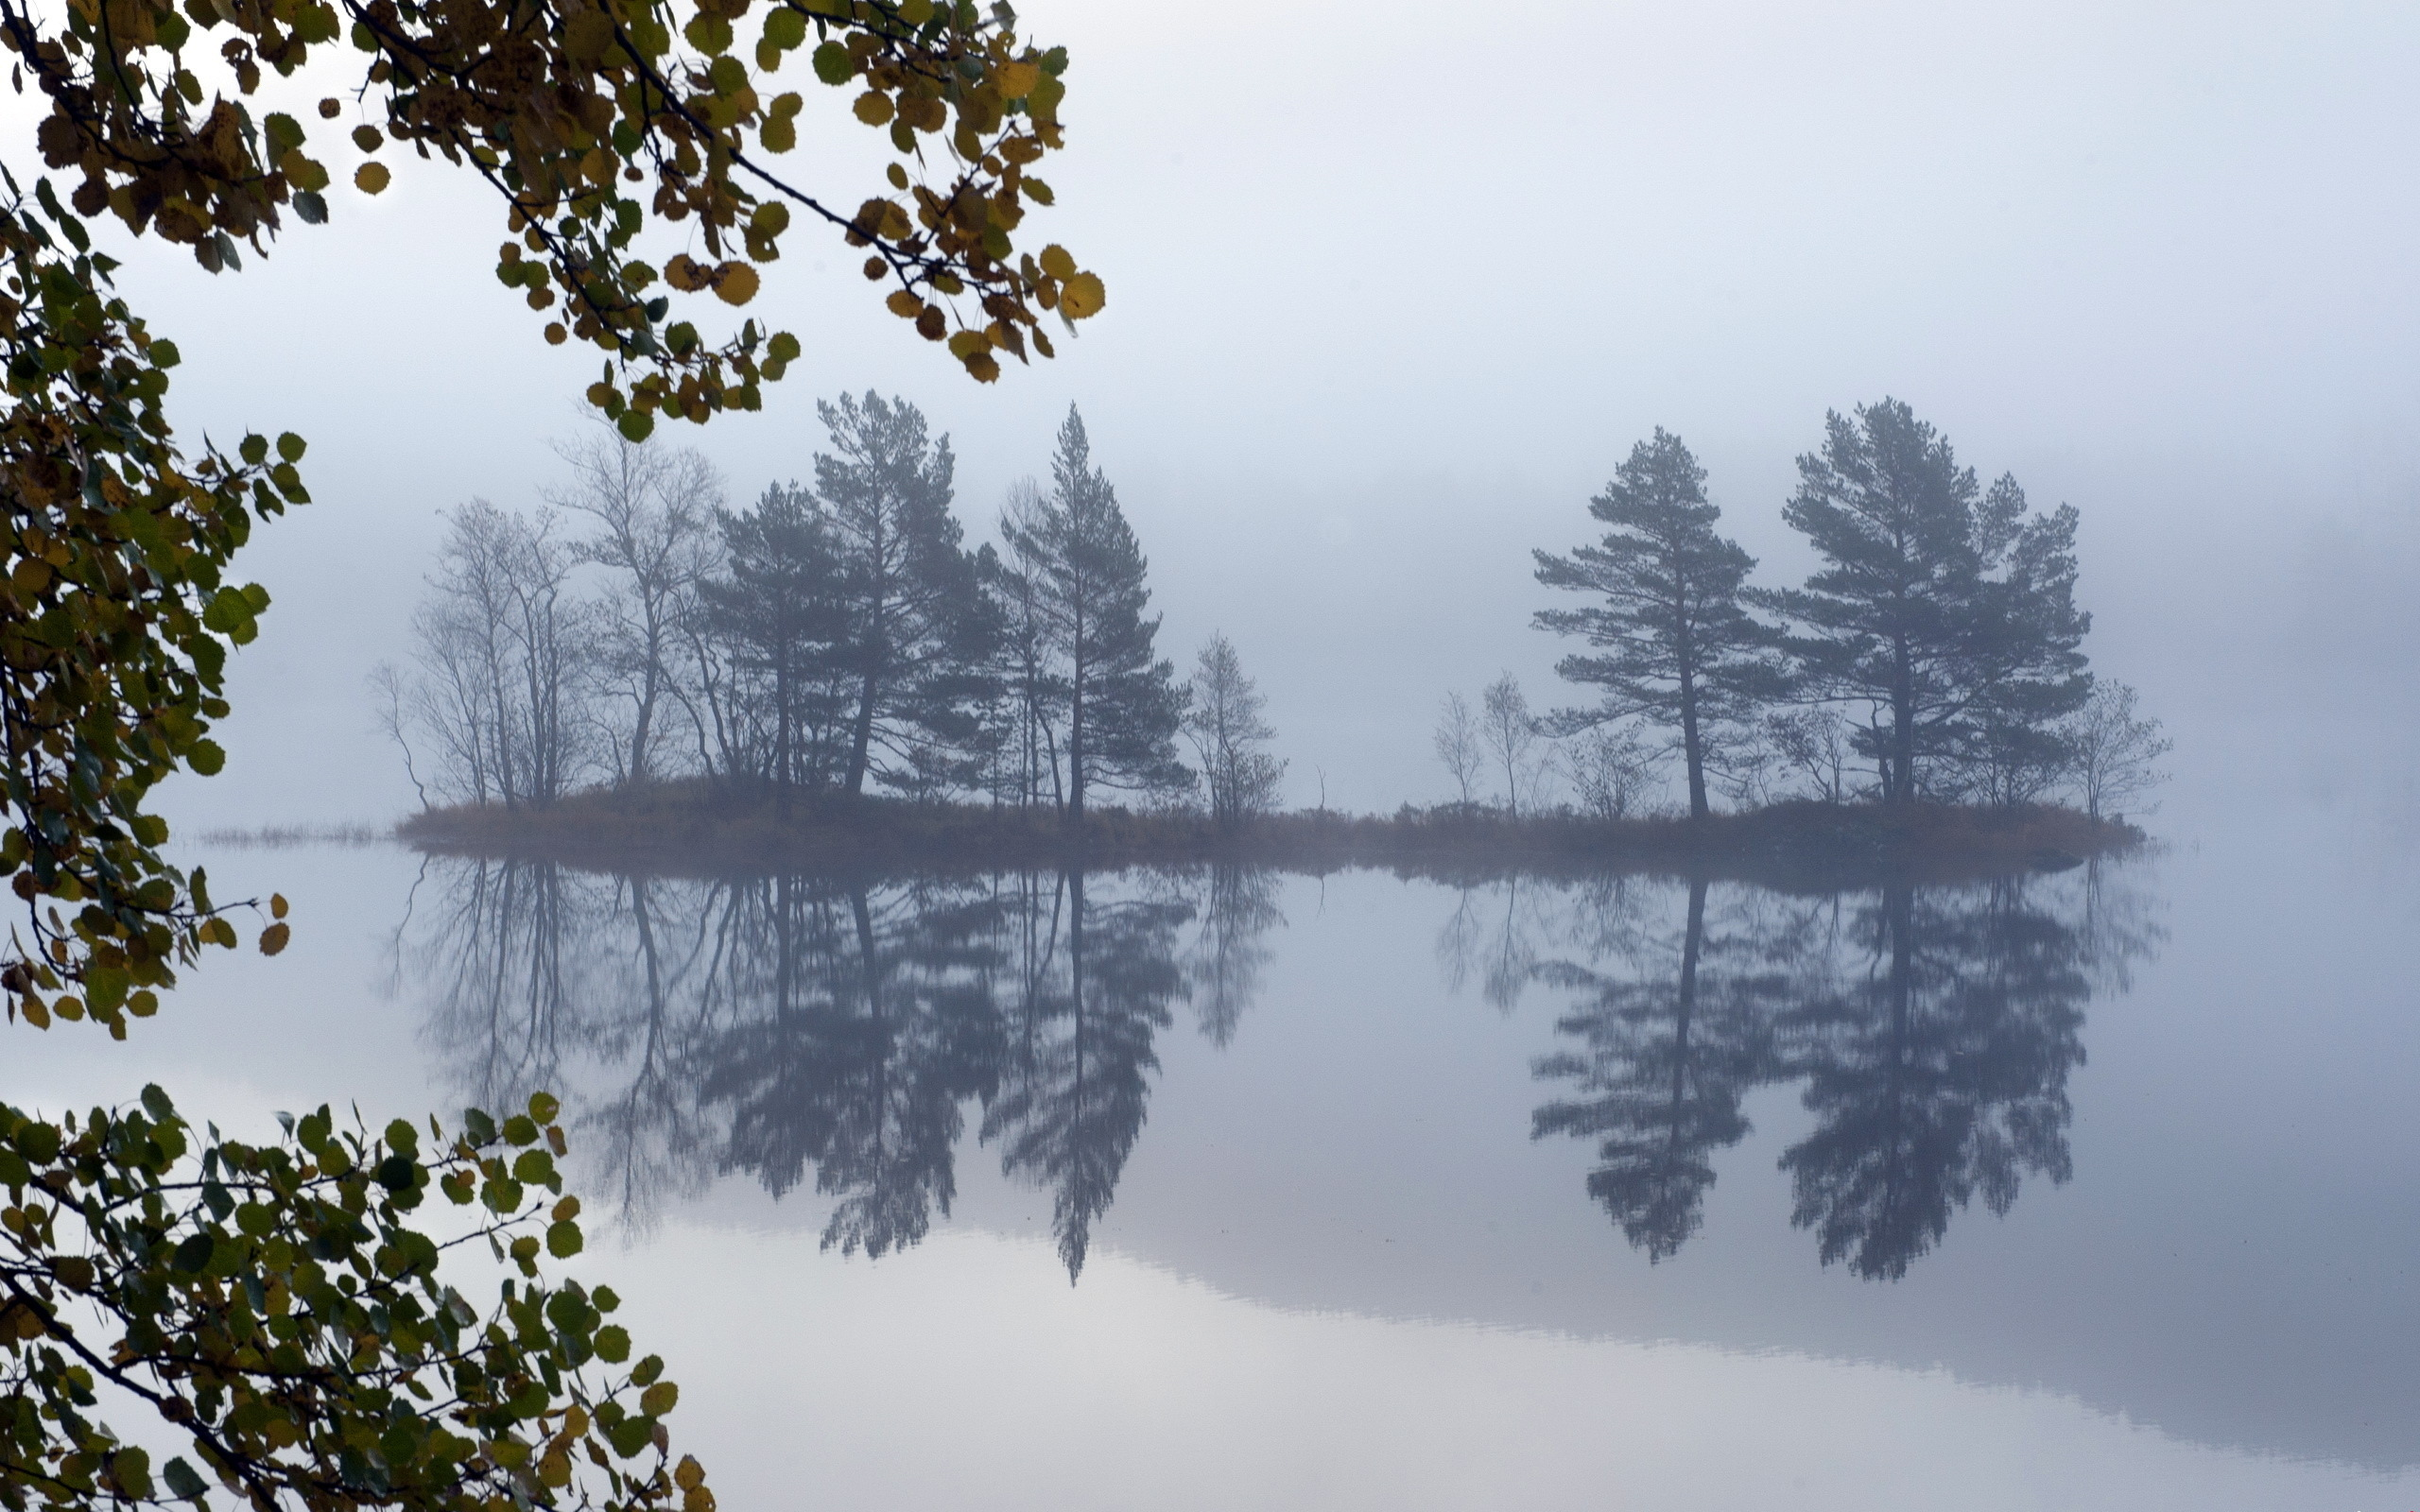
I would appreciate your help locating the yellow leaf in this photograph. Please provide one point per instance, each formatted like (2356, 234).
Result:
(1083, 296)
(370, 177)
(903, 305)
(734, 282)
(1016, 81)
(277, 905)
(274, 937)
(874, 108)
(1058, 262)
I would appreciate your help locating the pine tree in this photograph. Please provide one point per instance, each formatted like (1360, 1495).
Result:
(1124, 706)
(918, 632)
(1946, 609)
(777, 612)
(1677, 646)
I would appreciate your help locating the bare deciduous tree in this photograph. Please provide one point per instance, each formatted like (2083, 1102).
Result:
(1223, 720)
(1510, 734)
(2114, 750)
(1458, 745)
(1815, 743)
(1612, 768)
(504, 655)
(654, 507)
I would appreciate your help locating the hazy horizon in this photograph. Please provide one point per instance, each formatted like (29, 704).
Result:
(2154, 263)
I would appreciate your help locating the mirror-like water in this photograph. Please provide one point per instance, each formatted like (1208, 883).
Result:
(2074, 1190)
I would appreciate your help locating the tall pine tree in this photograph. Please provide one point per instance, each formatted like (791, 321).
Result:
(1947, 609)
(1123, 703)
(918, 630)
(1675, 643)
(776, 610)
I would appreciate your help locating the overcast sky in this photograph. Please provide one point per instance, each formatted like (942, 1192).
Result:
(1390, 293)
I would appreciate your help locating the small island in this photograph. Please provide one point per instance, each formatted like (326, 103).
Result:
(832, 681)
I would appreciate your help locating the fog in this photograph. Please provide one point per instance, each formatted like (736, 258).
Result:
(1390, 293)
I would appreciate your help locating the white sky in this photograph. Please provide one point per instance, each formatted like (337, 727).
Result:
(1392, 289)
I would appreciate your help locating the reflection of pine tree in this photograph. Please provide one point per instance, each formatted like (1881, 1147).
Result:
(1939, 1070)
(877, 1033)
(1670, 1051)
(1239, 907)
(1074, 1086)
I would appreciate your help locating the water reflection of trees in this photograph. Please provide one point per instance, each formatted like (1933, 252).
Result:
(800, 1030)
(1932, 1030)
(809, 1033)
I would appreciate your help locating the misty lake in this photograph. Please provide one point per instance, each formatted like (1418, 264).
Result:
(1218, 1189)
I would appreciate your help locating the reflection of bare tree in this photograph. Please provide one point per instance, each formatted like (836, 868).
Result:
(1238, 908)
(497, 960)
(1499, 944)
(2120, 924)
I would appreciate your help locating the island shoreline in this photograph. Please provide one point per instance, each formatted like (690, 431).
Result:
(687, 829)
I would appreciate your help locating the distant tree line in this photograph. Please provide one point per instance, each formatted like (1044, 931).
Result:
(1935, 653)
(830, 639)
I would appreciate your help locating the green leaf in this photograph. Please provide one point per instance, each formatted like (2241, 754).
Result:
(206, 758)
(659, 1398)
(635, 424)
(563, 1240)
(130, 1467)
(785, 28)
(833, 63)
(183, 1480)
(612, 1342)
(192, 1255)
(155, 1102)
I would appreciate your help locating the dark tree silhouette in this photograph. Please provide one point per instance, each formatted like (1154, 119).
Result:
(778, 610)
(1123, 703)
(1947, 609)
(1675, 642)
(918, 631)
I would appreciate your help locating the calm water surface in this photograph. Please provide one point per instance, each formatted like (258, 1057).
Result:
(1234, 1189)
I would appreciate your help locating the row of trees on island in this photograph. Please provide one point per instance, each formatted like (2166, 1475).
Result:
(834, 638)
(1936, 652)
(842, 638)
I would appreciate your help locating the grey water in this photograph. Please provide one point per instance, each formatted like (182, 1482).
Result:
(1216, 1188)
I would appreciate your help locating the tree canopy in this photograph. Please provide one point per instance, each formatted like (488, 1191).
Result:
(1674, 641)
(1948, 609)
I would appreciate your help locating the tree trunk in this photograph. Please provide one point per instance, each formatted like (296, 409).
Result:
(1692, 745)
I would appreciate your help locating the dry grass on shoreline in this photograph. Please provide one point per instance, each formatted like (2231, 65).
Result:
(686, 829)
